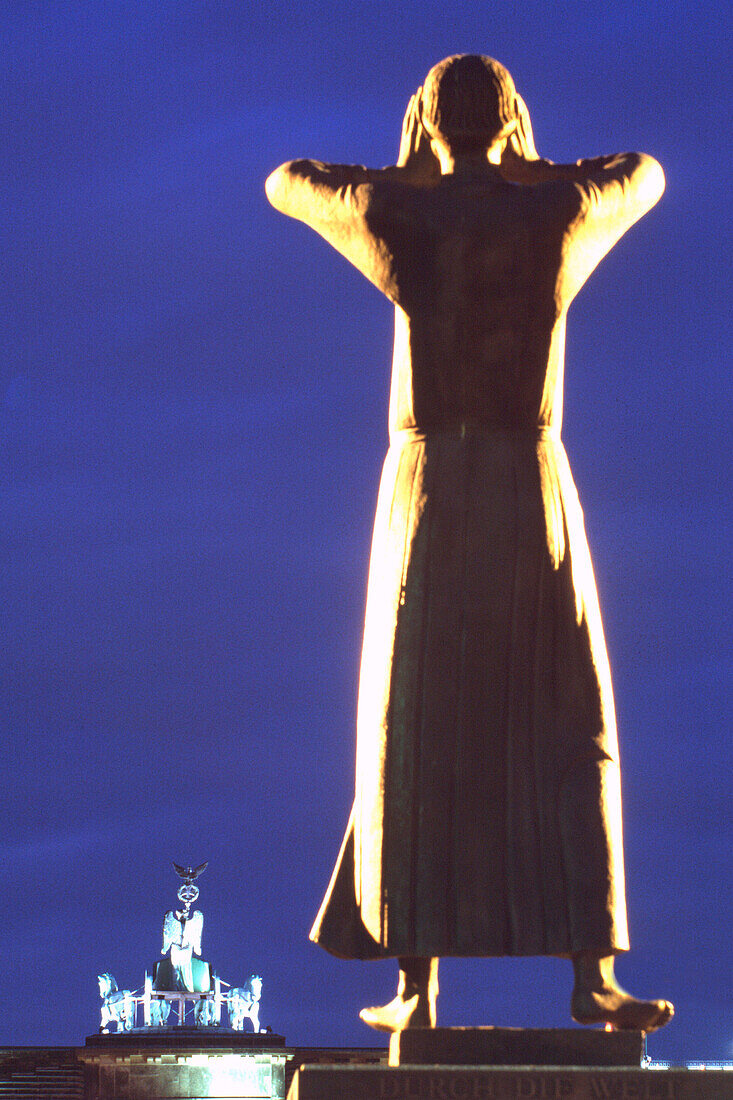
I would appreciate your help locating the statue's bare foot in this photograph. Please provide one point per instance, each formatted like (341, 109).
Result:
(613, 1005)
(414, 1005)
(398, 1014)
(599, 999)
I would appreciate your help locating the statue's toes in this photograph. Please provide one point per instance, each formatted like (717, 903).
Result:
(664, 1013)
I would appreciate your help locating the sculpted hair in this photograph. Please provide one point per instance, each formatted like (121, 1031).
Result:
(467, 100)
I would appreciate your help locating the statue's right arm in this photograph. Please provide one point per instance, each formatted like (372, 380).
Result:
(608, 196)
(335, 200)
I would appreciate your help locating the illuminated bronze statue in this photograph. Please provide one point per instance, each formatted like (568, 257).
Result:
(487, 813)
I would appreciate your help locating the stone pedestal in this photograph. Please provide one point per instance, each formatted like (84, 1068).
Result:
(519, 1083)
(511, 1064)
(516, 1046)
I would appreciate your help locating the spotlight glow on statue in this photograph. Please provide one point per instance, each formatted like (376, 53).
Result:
(487, 812)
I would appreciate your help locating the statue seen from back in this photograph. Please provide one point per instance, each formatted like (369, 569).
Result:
(487, 808)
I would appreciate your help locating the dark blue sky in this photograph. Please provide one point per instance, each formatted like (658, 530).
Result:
(193, 398)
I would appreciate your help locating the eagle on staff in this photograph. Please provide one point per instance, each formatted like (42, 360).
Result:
(190, 874)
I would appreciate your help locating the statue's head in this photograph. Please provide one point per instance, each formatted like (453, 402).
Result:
(468, 102)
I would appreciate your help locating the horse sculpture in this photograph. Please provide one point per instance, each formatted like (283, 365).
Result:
(205, 1013)
(118, 1005)
(159, 1012)
(244, 1001)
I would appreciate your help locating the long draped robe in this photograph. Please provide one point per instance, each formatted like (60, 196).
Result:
(487, 813)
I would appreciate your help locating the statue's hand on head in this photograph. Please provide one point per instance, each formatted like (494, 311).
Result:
(521, 141)
(416, 157)
(520, 159)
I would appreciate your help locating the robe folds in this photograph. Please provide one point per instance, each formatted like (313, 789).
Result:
(485, 701)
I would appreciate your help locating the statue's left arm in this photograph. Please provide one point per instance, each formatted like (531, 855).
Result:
(354, 208)
(336, 200)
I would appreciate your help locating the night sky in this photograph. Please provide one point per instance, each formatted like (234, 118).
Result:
(193, 398)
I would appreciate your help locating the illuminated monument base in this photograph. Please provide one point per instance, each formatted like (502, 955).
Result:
(183, 1062)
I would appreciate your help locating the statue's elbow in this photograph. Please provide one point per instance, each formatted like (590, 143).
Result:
(283, 186)
(652, 181)
(276, 186)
